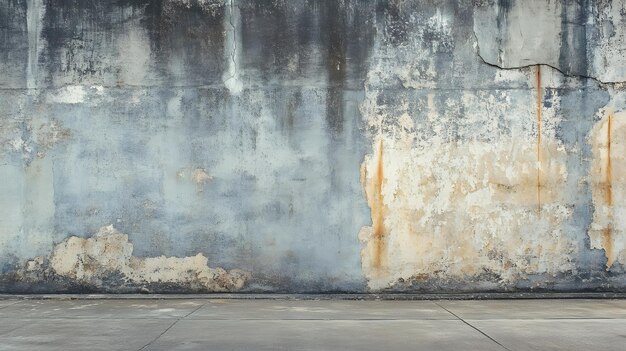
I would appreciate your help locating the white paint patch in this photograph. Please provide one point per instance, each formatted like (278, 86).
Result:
(71, 94)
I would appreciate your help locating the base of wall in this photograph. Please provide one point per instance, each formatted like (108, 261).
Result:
(467, 296)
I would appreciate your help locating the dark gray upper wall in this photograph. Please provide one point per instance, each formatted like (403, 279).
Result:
(181, 42)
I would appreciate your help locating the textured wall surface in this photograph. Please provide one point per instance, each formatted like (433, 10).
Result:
(312, 145)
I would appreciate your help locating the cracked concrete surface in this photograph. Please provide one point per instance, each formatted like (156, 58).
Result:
(201, 324)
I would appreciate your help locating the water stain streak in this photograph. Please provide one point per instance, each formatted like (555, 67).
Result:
(607, 234)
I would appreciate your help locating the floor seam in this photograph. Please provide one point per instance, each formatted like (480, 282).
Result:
(473, 327)
(170, 327)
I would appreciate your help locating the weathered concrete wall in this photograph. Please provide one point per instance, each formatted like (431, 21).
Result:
(312, 145)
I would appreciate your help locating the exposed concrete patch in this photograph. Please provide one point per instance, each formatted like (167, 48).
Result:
(608, 180)
(109, 253)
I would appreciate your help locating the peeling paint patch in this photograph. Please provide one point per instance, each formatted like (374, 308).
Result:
(109, 253)
(42, 135)
(462, 210)
(607, 231)
(198, 175)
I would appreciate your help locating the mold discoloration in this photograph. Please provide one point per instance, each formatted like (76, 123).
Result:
(108, 256)
(607, 168)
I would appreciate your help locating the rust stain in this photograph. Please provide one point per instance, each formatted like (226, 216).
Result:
(607, 229)
(378, 209)
(607, 234)
(539, 111)
(609, 170)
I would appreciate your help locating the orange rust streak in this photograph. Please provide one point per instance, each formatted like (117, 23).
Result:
(539, 110)
(607, 239)
(609, 171)
(378, 225)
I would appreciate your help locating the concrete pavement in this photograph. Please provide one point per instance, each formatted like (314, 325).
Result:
(225, 324)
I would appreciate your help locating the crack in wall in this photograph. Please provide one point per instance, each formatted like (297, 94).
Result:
(232, 22)
(534, 65)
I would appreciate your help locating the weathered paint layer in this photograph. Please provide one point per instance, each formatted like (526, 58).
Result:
(456, 210)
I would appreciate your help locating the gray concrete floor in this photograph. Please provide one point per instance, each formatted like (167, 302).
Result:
(223, 324)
